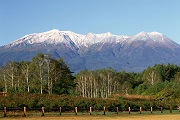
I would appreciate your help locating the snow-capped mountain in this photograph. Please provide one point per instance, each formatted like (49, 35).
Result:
(95, 51)
(56, 37)
(67, 37)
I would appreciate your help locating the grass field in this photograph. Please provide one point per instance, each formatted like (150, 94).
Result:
(102, 117)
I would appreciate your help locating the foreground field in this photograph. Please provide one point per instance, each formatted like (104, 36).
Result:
(101, 117)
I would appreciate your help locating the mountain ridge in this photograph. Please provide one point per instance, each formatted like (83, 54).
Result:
(90, 38)
(96, 51)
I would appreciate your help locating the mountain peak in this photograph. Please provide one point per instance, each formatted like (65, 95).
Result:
(141, 36)
(149, 33)
(108, 34)
(156, 33)
(54, 30)
(143, 33)
(153, 36)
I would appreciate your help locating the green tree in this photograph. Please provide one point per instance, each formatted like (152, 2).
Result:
(64, 81)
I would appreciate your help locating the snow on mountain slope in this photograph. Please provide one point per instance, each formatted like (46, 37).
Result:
(51, 37)
(67, 37)
(155, 39)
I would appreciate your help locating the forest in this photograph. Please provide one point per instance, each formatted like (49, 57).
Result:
(45, 79)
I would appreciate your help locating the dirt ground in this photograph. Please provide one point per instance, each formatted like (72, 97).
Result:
(118, 117)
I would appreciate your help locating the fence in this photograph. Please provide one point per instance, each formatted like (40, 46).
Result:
(78, 111)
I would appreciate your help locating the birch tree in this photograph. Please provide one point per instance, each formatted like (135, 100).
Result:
(25, 68)
(151, 76)
(38, 62)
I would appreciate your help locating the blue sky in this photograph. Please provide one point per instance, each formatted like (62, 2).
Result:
(120, 17)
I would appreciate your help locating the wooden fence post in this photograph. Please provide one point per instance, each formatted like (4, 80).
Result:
(129, 110)
(151, 110)
(140, 110)
(90, 110)
(4, 111)
(60, 110)
(76, 110)
(24, 111)
(42, 111)
(161, 110)
(117, 110)
(104, 110)
(170, 108)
